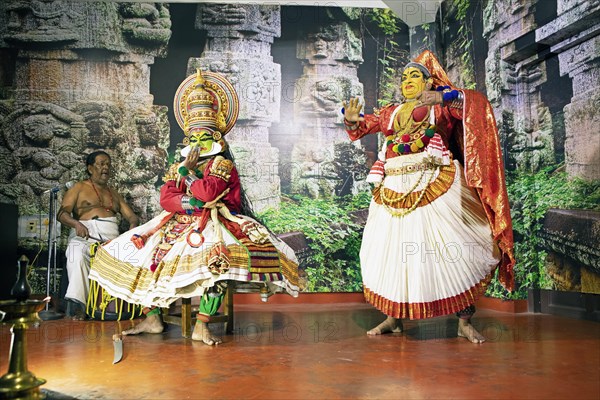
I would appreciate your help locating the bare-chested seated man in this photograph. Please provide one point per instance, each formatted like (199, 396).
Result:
(90, 209)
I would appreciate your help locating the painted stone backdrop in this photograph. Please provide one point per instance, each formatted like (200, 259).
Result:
(75, 79)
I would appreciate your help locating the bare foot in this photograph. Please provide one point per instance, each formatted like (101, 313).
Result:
(391, 324)
(78, 317)
(202, 333)
(151, 324)
(466, 330)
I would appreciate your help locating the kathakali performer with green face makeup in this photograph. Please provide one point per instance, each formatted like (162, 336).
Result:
(439, 221)
(203, 239)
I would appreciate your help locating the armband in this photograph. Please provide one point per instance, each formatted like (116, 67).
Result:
(453, 99)
(186, 203)
(221, 168)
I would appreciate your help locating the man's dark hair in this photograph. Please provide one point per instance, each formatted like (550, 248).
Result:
(91, 158)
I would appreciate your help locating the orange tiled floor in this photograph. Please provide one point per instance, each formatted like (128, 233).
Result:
(309, 351)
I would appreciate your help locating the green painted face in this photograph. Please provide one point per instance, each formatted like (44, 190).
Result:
(203, 140)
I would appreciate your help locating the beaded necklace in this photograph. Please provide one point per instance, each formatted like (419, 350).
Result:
(409, 138)
(109, 208)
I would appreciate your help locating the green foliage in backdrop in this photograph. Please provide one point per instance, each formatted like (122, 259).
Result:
(531, 195)
(334, 238)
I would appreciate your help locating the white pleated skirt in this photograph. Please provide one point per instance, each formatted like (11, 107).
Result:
(429, 253)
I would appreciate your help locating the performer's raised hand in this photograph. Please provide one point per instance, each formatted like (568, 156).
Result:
(191, 160)
(352, 110)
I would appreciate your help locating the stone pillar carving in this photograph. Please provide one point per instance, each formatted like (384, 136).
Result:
(81, 83)
(575, 36)
(331, 57)
(514, 75)
(239, 47)
(529, 140)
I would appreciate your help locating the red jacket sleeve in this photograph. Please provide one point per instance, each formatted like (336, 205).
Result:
(369, 125)
(373, 123)
(206, 189)
(209, 187)
(170, 197)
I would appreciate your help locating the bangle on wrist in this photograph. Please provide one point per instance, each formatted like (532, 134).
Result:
(183, 171)
(186, 203)
(455, 100)
(189, 179)
(196, 202)
(350, 125)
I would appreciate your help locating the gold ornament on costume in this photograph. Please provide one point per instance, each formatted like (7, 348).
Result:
(201, 107)
(171, 174)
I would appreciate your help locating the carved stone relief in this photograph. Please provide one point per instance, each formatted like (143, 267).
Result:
(330, 56)
(66, 103)
(239, 39)
(42, 140)
(331, 44)
(70, 24)
(238, 20)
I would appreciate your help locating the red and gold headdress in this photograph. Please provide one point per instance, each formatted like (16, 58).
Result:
(206, 101)
(429, 61)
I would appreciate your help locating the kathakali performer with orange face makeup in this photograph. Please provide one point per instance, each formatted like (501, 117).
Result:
(204, 237)
(439, 221)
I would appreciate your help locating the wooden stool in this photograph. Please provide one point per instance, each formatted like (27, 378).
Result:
(187, 317)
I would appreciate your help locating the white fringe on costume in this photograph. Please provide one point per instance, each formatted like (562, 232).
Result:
(123, 271)
(426, 263)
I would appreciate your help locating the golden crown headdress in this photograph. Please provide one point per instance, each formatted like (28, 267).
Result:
(208, 101)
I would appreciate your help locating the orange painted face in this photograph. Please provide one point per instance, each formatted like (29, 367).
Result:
(413, 82)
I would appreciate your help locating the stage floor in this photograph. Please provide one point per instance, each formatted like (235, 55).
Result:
(310, 351)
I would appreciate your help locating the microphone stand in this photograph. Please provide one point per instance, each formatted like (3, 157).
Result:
(48, 314)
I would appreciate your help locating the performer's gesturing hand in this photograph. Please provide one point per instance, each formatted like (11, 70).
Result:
(352, 110)
(191, 160)
(430, 97)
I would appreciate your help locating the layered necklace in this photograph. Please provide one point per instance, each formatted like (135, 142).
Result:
(110, 206)
(410, 136)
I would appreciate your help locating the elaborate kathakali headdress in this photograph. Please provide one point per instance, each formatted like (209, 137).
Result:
(205, 105)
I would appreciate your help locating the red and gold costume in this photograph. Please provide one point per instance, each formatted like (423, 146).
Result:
(436, 230)
(200, 240)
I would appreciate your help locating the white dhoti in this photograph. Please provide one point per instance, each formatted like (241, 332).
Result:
(427, 246)
(78, 255)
